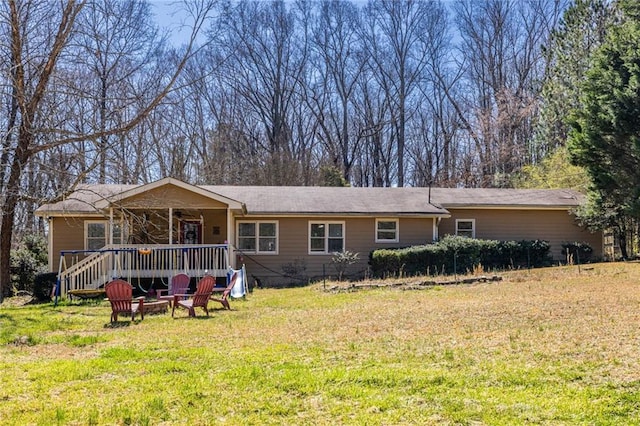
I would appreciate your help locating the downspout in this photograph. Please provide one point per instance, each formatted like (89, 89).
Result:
(436, 226)
(171, 265)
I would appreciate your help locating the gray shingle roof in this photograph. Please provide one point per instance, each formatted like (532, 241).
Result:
(272, 200)
(494, 197)
(83, 198)
(331, 200)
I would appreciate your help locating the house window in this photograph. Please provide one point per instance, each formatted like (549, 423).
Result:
(95, 232)
(326, 237)
(387, 231)
(466, 228)
(258, 237)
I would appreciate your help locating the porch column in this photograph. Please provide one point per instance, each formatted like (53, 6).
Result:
(170, 225)
(50, 242)
(110, 226)
(230, 239)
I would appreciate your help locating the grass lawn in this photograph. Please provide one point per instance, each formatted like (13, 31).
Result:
(551, 346)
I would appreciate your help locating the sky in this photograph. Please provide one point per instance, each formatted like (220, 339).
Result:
(169, 17)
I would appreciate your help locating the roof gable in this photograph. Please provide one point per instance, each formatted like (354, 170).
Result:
(168, 192)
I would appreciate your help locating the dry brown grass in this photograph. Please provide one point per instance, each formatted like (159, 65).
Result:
(590, 314)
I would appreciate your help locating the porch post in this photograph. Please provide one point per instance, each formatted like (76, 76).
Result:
(50, 242)
(110, 226)
(171, 265)
(170, 225)
(230, 239)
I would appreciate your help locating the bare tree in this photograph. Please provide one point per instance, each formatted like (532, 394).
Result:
(123, 53)
(339, 61)
(266, 50)
(500, 48)
(398, 37)
(41, 60)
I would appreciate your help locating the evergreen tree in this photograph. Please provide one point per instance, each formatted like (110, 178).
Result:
(605, 138)
(581, 31)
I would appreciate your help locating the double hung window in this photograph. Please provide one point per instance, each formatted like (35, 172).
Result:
(326, 237)
(258, 237)
(387, 231)
(466, 228)
(96, 234)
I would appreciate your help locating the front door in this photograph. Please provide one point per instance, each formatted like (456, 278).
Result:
(190, 232)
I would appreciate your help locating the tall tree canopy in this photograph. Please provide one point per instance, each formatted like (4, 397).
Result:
(606, 131)
(569, 53)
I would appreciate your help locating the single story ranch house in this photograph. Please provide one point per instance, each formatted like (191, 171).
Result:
(159, 229)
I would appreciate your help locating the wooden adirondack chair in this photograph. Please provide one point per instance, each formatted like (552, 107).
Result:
(226, 291)
(120, 295)
(199, 299)
(179, 285)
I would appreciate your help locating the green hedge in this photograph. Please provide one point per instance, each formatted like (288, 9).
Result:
(455, 254)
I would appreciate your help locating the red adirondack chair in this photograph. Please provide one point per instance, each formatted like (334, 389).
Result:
(120, 295)
(226, 291)
(199, 299)
(179, 285)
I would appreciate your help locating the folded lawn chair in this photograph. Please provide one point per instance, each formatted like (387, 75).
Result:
(179, 285)
(199, 299)
(120, 293)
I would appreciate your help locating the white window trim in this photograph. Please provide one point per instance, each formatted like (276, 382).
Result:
(86, 231)
(396, 239)
(257, 225)
(473, 226)
(326, 237)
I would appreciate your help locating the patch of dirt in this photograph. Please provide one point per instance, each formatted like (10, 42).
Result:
(409, 283)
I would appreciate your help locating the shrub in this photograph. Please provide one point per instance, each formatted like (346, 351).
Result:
(454, 254)
(27, 261)
(42, 286)
(577, 252)
(341, 261)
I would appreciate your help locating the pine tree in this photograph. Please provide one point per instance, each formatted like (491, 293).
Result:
(605, 138)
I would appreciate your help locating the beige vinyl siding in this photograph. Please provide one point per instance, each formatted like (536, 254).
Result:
(214, 220)
(359, 237)
(68, 234)
(555, 226)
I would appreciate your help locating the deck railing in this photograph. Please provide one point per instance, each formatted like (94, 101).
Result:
(90, 269)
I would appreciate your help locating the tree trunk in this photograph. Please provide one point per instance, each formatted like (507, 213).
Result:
(12, 191)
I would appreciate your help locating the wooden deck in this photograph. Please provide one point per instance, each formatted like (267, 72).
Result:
(82, 270)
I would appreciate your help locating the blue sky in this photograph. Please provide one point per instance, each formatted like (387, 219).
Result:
(169, 17)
